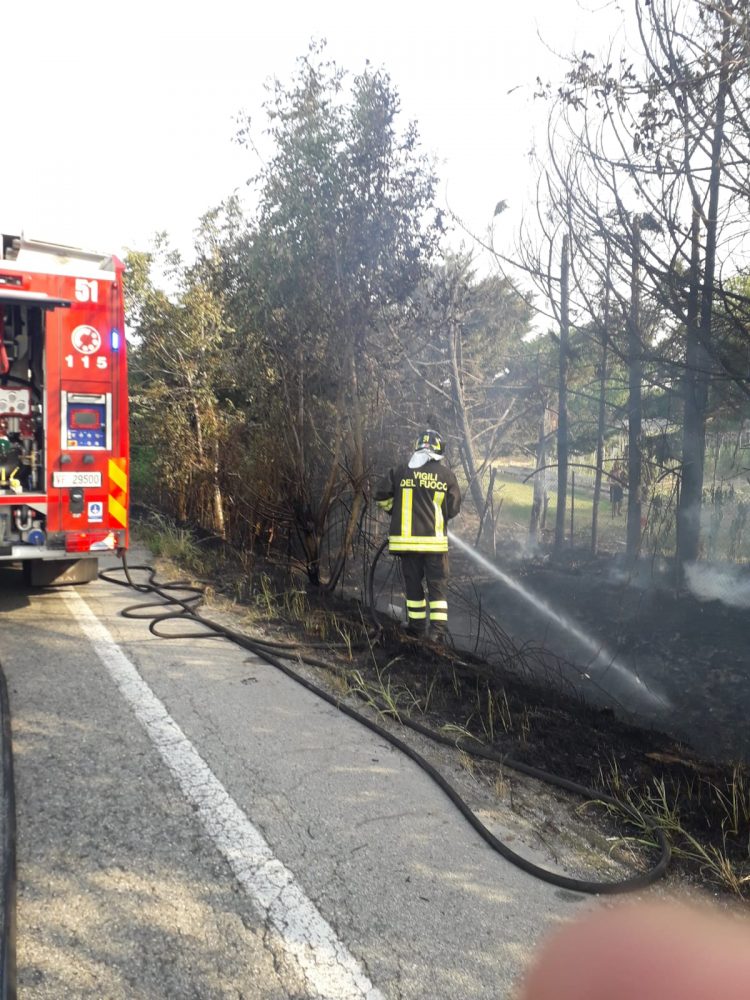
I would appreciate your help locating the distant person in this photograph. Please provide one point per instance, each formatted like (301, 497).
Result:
(645, 951)
(422, 496)
(656, 508)
(616, 491)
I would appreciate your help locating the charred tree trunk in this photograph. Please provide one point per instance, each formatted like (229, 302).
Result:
(697, 359)
(562, 395)
(635, 406)
(602, 418)
(540, 480)
(356, 467)
(695, 392)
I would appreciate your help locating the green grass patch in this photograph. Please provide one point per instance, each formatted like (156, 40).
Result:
(165, 539)
(517, 498)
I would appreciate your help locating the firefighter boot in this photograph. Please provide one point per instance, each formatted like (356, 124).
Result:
(440, 636)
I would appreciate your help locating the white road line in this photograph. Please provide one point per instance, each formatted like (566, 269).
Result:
(329, 969)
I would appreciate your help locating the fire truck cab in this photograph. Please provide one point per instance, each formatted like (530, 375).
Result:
(63, 409)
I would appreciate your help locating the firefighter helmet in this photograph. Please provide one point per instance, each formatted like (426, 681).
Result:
(429, 441)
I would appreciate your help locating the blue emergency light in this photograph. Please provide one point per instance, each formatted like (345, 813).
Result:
(114, 339)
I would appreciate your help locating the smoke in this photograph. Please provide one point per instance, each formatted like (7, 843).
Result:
(708, 583)
(645, 575)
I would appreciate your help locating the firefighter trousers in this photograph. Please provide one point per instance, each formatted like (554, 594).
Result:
(431, 568)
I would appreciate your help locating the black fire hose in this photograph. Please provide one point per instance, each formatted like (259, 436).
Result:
(271, 651)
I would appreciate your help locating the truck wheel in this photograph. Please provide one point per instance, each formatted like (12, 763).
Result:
(57, 572)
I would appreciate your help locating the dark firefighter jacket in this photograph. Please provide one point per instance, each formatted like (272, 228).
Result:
(421, 502)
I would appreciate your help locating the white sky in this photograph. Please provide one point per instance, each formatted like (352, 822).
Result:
(118, 117)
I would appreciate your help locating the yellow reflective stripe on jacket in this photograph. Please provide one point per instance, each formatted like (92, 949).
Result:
(437, 501)
(418, 543)
(386, 505)
(407, 500)
(417, 604)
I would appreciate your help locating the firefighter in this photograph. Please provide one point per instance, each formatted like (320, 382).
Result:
(421, 497)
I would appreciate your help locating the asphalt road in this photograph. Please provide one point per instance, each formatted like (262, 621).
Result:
(192, 824)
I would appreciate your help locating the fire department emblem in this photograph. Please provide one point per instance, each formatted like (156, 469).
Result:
(86, 339)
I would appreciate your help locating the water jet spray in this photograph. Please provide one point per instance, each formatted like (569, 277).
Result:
(602, 663)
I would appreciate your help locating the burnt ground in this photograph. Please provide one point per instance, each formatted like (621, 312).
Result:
(659, 658)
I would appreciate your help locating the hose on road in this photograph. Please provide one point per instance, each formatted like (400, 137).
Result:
(171, 607)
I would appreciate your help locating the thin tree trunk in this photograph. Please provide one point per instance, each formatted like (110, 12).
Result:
(695, 391)
(635, 410)
(697, 358)
(218, 499)
(602, 419)
(357, 474)
(562, 394)
(468, 455)
(487, 506)
(198, 425)
(537, 506)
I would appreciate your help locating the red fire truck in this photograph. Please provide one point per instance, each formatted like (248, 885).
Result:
(63, 410)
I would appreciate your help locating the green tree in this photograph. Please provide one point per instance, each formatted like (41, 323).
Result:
(345, 229)
(176, 365)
